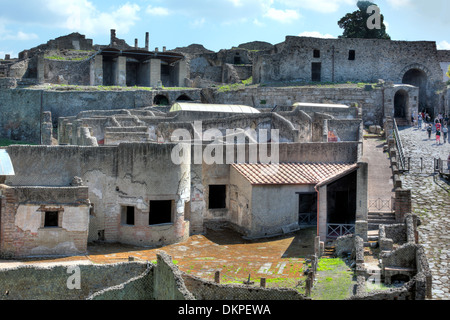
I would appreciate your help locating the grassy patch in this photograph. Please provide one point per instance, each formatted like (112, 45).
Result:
(7, 142)
(334, 280)
(236, 86)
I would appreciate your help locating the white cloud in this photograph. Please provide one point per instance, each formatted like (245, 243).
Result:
(74, 15)
(157, 11)
(324, 6)
(443, 45)
(19, 36)
(6, 34)
(258, 23)
(283, 16)
(316, 34)
(83, 16)
(198, 23)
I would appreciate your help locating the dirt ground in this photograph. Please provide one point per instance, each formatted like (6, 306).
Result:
(280, 260)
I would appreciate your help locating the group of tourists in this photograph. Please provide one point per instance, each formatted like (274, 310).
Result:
(438, 126)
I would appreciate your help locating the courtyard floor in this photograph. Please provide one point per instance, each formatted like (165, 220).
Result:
(280, 260)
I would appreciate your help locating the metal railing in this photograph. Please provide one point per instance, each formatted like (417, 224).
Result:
(382, 205)
(307, 219)
(399, 146)
(335, 231)
(442, 167)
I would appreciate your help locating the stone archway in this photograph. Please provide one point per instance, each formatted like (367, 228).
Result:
(418, 77)
(401, 104)
(184, 97)
(161, 100)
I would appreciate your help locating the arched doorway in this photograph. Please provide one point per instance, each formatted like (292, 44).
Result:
(184, 97)
(161, 100)
(418, 78)
(400, 104)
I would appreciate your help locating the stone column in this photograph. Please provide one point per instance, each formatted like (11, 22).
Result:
(155, 72)
(323, 214)
(146, 41)
(402, 204)
(96, 71)
(362, 185)
(120, 72)
(181, 73)
(361, 230)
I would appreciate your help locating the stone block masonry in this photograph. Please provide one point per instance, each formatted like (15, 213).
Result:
(371, 102)
(25, 229)
(21, 109)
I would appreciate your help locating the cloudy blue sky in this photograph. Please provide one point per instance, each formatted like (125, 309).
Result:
(216, 24)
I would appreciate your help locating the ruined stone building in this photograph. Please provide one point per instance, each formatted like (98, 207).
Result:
(300, 59)
(73, 59)
(104, 168)
(113, 177)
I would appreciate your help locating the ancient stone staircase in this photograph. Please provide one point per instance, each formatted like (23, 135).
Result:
(329, 251)
(375, 219)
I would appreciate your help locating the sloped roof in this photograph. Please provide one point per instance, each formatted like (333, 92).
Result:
(6, 167)
(228, 108)
(294, 173)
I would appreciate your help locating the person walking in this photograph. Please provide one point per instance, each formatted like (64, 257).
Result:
(445, 132)
(429, 130)
(419, 121)
(438, 136)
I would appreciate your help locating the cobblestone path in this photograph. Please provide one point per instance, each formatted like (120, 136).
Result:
(431, 202)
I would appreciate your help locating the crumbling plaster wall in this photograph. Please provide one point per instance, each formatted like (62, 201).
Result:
(126, 175)
(23, 232)
(266, 202)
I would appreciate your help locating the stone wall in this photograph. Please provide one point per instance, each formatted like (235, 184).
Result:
(373, 59)
(21, 114)
(118, 176)
(370, 102)
(50, 282)
(67, 72)
(21, 108)
(208, 290)
(168, 281)
(23, 229)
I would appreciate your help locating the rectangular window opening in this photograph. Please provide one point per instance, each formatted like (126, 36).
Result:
(217, 196)
(316, 54)
(51, 219)
(352, 55)
(160, 212)
(128, 215)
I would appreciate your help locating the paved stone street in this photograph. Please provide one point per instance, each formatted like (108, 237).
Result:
(431, 201)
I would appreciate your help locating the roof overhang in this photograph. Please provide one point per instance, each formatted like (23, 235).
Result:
(142, 55)
(315, 174)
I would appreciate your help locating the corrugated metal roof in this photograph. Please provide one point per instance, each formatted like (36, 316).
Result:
(6, 167)
(293, 173)
(321, 105)
(229, 108)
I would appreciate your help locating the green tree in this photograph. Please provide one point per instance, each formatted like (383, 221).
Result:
(355, 24)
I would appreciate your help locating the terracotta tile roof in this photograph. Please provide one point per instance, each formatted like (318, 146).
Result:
(293, 173)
